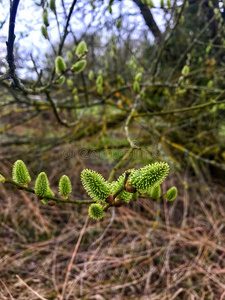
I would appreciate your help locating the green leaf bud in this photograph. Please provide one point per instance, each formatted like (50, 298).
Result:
(60, 65)
(185, 71)
(138, 77)
(42, 185)
(20, 173)
(76, 99)
(100, 89)
(69, 55)
(171, 194)
(75, 91)
(65, 186)
(136, 87)
(96, 211)
(162, 3)
(99, 80)
(61, 80)
(91, 75)
(210, 83)
(81, 49)
(110, 9)
(45, 17)
(168, 3)
(95, 185)
(79, 66)
(69, 82)
(155, 192)
(208, 49)
(118, 23)
(44, 32)
(149, 176)
(52, 6)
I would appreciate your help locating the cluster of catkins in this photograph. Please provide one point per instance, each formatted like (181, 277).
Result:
(127, 187)
(145, 180)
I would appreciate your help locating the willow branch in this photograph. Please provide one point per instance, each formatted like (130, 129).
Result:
(30, 190)
(178, 110)
(11, 38)
(62, 122)
(66, 27)
(189, 48)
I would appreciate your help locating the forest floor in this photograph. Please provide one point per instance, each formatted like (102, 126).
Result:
(59, 253)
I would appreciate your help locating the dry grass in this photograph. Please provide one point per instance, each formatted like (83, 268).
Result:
(121, 257)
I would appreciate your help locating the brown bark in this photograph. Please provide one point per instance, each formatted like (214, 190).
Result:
(149, 20)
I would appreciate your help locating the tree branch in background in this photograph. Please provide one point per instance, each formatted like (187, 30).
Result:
(11, 39)
(66, 28)
(149, 20)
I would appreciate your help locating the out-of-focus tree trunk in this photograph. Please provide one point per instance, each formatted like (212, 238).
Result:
(149, 20)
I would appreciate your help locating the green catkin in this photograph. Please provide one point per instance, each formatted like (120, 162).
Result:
(96, 211)
(65, 186)
(69, 55)
(116, 186)
(20, 173)
(185, 71)
(42, 185)
(168, 3)
(155, 192)
(100, 89)
(136, 86)
(61, 80)
(52, 6)
(69, 82)
(60, 65)
(44, 32)
(79, 66)
(81, 49)
(45, 17)
(149, 176)
(99, 80)
(91, 75)
(138, 77)
(95, 185)
(171, 194)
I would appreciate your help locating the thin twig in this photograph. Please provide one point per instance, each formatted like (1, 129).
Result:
(62, 122)
(178, 110)
(30, 190)
(29, 288)
(66, 27)
(73, 257)
(5, 286)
